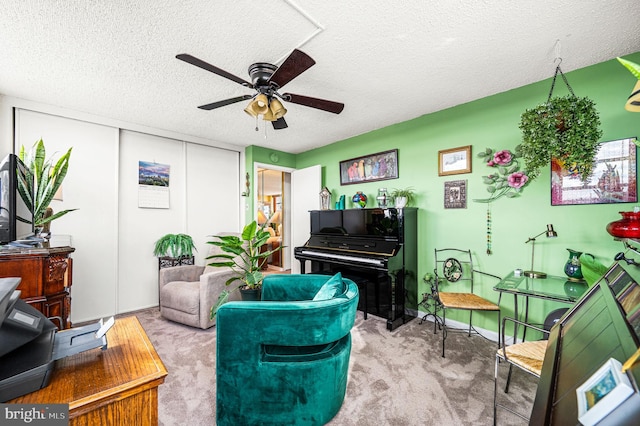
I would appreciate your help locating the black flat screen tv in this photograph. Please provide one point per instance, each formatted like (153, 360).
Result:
(16, 219)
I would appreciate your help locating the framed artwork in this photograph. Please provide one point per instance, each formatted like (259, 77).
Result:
(455, 194)
(454, 161)
(614, 177)
(605, 390)
(369, 168)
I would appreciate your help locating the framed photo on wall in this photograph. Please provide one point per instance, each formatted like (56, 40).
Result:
(614, 177)
(369, 168)
(455, 194)
(454, 161)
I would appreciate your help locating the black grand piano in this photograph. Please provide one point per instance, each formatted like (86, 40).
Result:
(376, 248)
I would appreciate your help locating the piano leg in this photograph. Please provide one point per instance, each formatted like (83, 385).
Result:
(364, 284)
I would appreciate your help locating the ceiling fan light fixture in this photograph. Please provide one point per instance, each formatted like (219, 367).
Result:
(261, 103)
(269, 116)
(277, 108)
(258, 106)
(249, 110)
(633, 103)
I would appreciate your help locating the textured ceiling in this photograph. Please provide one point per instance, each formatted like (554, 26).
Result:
(386, 61)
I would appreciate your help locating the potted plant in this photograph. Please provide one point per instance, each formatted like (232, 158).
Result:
(245, 255)
(174, 249)
(566, 128)
(47, 178)
(403, 197)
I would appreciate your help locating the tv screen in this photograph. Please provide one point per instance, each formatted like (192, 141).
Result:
(16, 220)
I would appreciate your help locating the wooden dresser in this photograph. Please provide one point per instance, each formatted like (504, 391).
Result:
(46, 279)
(117, 386)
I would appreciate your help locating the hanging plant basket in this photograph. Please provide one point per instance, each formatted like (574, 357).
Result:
(566, 128)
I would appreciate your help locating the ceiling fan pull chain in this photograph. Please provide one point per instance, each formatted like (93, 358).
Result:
(256, 123)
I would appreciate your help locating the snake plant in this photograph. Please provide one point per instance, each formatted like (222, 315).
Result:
(47, 177)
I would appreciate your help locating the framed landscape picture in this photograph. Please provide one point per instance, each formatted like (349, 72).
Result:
(614, 177)
(454, 161)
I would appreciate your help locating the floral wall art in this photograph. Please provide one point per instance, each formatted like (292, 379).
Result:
(504, 180)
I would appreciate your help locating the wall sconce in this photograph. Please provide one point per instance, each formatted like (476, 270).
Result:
(550, 234)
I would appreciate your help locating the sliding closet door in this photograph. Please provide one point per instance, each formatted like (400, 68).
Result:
(213, 194)
(203, 198)
(141, 224)
(91, 187)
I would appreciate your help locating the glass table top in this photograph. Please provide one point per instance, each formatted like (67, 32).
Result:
(553, 288)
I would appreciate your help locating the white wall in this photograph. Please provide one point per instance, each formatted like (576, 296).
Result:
(114, 268)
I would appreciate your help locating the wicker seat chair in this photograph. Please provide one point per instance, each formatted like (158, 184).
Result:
(527, 356)
(456, 266)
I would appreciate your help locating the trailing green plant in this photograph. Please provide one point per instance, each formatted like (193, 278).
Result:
(47, 177)
(174, 245)
(566, 128)
(409, 193)
(244, 255)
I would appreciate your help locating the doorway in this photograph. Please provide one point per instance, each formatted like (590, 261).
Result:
(272, 205)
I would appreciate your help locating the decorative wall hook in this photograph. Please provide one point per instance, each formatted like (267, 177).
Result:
(247, 185)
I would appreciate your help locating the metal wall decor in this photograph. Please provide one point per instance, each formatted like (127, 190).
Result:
(455, 194)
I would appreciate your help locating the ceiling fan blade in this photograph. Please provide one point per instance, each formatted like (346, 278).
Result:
(225, 102)
(279, 124)
(330, 106)
(206, 66)
(295, 64)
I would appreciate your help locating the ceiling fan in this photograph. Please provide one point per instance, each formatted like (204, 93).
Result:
(267, 80)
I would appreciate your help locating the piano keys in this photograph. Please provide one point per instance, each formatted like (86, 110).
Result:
(375, 247)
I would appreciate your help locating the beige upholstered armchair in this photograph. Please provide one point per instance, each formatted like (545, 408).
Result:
(188, 292)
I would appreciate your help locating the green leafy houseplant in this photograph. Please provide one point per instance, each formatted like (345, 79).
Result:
(47, 178)
(566, 128)
(244, 255)
(174, 245)
(409, 193)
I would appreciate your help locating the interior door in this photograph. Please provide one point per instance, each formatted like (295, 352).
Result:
(305, 189)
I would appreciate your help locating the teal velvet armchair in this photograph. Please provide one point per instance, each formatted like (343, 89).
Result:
(284, 360)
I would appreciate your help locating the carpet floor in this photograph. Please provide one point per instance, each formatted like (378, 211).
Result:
(396, 378)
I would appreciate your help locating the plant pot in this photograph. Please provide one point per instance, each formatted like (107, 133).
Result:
(251, 294)
(400, 202)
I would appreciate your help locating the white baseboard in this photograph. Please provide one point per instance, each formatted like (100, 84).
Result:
(457, 325)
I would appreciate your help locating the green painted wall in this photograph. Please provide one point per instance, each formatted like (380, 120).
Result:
(492, 122)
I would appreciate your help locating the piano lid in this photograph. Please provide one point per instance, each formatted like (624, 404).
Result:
(352, 245)
(370, 223)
